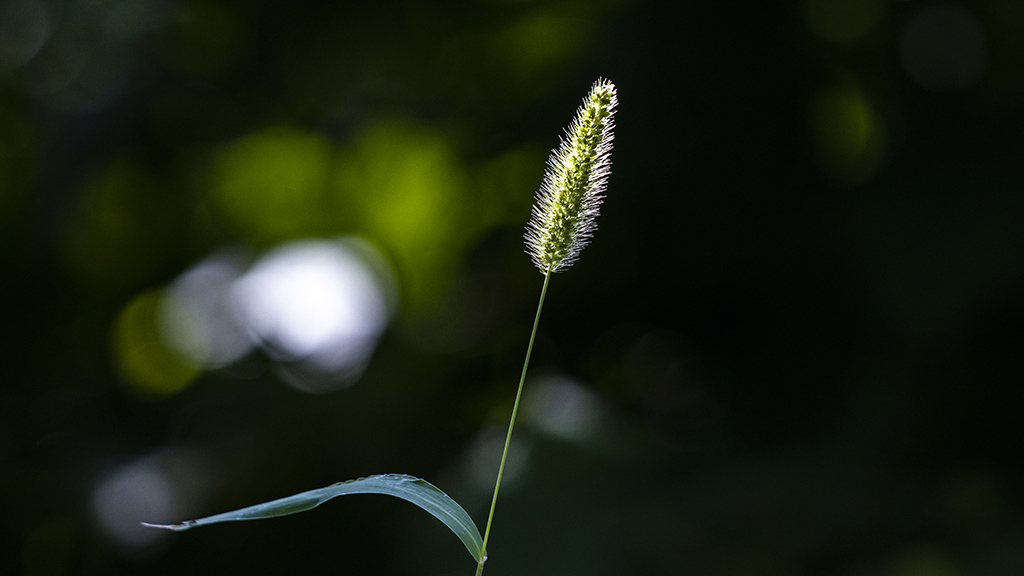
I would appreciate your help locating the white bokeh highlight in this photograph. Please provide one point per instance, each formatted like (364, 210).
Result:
(197, 318)
(166, 486)
(483, 456)
(316, 307)
(134, 494)
(321, 303)
(563, 408)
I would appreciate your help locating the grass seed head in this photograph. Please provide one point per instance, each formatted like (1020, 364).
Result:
(570, 195)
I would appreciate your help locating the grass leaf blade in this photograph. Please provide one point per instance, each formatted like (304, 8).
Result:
(409, 488)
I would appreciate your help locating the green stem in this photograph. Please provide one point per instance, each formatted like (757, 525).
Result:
(512, 422)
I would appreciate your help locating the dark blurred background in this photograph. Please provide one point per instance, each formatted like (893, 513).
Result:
(252, 248)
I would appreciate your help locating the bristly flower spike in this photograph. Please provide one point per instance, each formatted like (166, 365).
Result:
(563, 220)
(574, 182)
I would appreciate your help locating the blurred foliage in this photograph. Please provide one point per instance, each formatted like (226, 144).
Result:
(799, 330)
(145, 360)
(849, 137)
(410, 195)
(272, 186)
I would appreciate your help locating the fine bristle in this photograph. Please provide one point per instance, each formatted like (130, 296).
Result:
(568, 202)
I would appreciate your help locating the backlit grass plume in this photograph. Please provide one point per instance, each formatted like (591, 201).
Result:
(563, 218)
(571, 193)
(562, 224)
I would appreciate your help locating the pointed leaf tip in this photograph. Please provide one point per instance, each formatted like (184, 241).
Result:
(174, 527)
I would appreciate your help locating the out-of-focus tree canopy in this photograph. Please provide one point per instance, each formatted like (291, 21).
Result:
(253, 248)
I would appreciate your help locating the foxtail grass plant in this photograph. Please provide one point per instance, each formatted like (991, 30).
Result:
(562, 223)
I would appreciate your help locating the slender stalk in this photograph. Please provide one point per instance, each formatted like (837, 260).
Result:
(512, 421)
